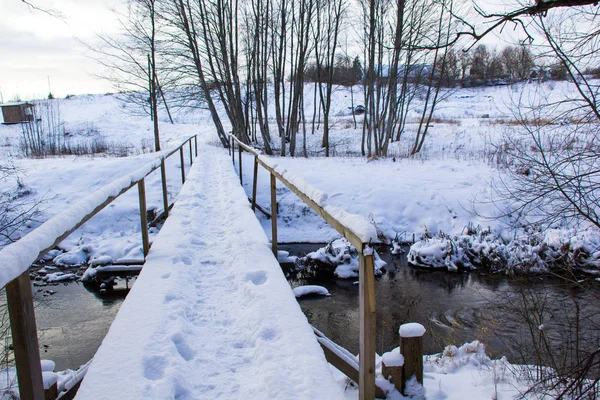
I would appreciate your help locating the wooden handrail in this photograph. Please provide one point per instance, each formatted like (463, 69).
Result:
(35, 253)
(366, 369)
(345, 231)
(16, 258)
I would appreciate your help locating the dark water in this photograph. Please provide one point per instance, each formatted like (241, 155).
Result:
(461, 307)
(454, 307)
(73, 322)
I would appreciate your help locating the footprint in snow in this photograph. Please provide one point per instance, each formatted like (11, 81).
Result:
(257, 277)
(269, 334)
(154, 367)
(186, 352)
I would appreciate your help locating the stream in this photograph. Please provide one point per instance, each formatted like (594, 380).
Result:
(454, 308)
(459, 307)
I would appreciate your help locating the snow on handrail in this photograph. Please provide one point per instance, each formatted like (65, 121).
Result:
(354, 227)
(17, 257)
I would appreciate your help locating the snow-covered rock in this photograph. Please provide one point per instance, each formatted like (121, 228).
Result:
(310, 290)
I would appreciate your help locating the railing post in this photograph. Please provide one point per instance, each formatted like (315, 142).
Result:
(411, 347)
(163, 178)
(24, 335)
(240, 162)
(196, 144)
(255, 183)
(232, 149)
(274, 214)
(366, 384)
(143, 217)
(191, 157)
(182, 159)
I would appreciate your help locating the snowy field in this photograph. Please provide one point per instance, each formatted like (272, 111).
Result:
(446, 188)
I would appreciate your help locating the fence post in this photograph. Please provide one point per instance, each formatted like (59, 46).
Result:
(255, 183)
(163, 177)
(24, 335)
(411, 347)
(366, 287)
(196, 144)
(274, 214)
(232, 148)
(240, 162)
(182, 159)
(191, 157)
(143, 217)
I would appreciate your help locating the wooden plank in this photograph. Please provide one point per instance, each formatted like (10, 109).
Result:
(274, 214)
(254, 183)
(261, 209)
(182, 159)
(165, 193)
(24, 335)
(366, 287)
(51, 393)
(143, 217)
(350, 369)
(128, 271)
(71, 393)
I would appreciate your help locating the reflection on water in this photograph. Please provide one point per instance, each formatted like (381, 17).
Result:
(73, 322)
(456, 308)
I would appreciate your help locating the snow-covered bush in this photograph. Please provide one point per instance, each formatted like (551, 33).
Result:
(338, 258)
(536, 252)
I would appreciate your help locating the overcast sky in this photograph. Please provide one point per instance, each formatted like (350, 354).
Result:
(34, 45)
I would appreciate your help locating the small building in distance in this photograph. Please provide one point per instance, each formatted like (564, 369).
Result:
(15, 113)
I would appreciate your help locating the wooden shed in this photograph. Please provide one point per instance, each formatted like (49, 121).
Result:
(14, 113)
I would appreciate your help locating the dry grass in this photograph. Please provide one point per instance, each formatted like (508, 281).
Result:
(539, 122)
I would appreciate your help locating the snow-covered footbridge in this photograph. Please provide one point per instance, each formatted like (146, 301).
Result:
(211, 314)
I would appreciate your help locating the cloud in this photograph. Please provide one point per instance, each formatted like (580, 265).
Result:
(17, 44)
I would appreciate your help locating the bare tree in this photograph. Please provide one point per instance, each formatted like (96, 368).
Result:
(434, 82)
(552, 172)
(17, 206)
(132, 59)
(517, 62)
(256, 23)
(188, 55)
(330, 19)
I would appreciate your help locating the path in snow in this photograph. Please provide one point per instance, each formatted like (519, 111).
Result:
(211, 315)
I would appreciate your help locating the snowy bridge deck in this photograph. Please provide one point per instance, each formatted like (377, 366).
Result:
(211, 315)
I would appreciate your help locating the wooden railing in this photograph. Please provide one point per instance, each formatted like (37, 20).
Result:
(353, 229)
(16, 258)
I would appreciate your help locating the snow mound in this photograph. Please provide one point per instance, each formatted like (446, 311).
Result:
(310, 290)
(393, 358)
(411, 329)
(73, 258)
(534, 253)
(59, 277)
(341, 256)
